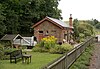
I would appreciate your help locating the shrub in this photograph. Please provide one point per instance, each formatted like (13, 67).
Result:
(48, 42)
(39, 49)
(61, 48)
(45, 44)
(53, 50)
(1, 52)
(9, 50)
(66, 46)
(36, 49)
(82, 40)
(56, 49)
(40, 44)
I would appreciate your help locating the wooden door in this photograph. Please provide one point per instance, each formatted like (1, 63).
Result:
(40, 35)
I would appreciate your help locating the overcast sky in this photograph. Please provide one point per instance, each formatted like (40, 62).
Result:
(81, 9)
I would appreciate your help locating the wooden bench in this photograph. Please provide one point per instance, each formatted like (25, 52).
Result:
(15, 55)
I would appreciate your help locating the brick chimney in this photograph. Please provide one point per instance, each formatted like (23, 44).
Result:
(70, 22)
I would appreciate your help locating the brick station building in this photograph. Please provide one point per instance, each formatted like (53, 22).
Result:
(53, 27)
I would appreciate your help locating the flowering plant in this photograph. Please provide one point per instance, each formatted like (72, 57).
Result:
(49, 41)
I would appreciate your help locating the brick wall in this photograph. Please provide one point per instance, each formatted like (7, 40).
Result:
(50, 29)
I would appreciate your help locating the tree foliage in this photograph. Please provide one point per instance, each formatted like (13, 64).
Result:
(1, 52)
(95, 23)
(2, 18)
(86, 29)
(82, 28)
(17, 16)
(75, 25)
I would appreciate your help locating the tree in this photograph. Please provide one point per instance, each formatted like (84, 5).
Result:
(82, 29)
(2, 18)
(20, 15)
(11, 22)
(86, 29)
(95, 22)
(75, 25)
(97, 25)
(36, 10)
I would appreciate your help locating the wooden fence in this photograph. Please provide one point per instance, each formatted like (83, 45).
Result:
(66, 60)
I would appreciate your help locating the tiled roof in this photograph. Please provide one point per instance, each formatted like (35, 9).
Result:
(63, 24)
(56, 21)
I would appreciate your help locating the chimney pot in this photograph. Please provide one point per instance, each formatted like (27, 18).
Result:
(70, 16)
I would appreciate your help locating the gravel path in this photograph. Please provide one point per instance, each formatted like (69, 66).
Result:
(95, 60)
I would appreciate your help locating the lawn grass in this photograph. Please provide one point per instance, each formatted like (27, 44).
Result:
(38, 60)
(84, 60)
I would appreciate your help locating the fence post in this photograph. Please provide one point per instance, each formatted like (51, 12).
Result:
(66, 61)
